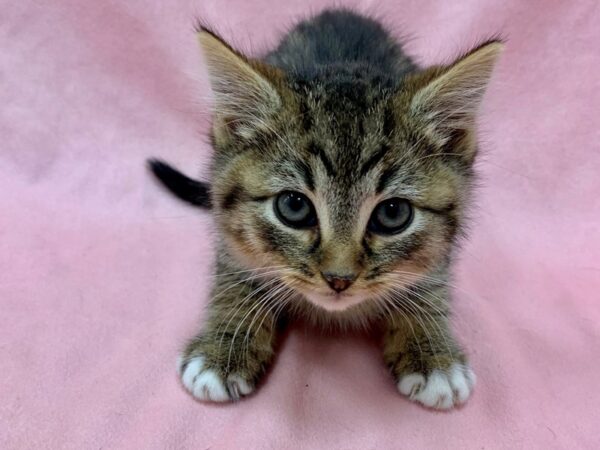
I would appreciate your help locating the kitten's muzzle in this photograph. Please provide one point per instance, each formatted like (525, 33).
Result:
(339, 282)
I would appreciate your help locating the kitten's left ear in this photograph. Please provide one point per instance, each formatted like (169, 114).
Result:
(449, 99)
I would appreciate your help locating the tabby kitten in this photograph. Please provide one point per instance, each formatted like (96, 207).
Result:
(339, 185)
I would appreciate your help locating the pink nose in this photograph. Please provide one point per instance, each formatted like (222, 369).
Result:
(337, 282)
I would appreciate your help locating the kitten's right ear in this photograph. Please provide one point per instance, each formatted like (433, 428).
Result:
(244, 96)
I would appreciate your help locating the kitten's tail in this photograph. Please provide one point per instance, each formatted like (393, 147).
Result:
(191, 191)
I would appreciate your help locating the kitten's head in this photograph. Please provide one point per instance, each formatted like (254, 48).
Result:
(350, 186)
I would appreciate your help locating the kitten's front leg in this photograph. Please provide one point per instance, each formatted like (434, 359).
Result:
(426, 361)
(227, 359)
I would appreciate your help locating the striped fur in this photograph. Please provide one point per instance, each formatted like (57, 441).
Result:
(339, 113)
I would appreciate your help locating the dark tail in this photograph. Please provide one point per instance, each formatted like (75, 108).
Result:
(184, 188)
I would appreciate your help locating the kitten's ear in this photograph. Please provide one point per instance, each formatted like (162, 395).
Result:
(450, 96)
(244, 96)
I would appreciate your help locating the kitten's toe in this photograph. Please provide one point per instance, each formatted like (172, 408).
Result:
(237, 386)
(440, 389)
(411, 385)
(207, 384)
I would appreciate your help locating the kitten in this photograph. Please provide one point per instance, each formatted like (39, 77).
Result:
(339, 185)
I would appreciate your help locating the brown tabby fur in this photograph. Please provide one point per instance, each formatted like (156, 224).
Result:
(347, 136)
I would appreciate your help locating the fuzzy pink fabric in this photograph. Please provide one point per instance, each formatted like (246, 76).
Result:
(103, 275)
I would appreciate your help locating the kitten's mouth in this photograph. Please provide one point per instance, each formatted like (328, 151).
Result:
(337, 295)
(333, 301)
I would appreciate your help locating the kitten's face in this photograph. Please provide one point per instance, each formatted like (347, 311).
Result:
(342, 188)
(349, 190)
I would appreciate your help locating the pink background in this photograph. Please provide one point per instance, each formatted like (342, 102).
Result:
(103, 275)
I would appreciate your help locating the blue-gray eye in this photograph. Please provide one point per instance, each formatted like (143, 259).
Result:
(295, 210)
(391, 216)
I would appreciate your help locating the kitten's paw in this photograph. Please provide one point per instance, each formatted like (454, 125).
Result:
(207, 384)
(440, 389)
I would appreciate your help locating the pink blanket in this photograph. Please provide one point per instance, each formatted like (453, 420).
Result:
(103, 275)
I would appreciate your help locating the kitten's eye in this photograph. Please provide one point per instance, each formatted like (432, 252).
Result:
(391, 216)
(295, 210)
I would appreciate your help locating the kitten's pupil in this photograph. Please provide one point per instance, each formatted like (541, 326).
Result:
(391, 210)
(295, 202)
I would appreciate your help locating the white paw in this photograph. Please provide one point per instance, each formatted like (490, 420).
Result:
(441, 390)
(207, 385)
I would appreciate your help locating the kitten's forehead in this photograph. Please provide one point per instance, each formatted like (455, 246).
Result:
(334, 103)
(348, 129)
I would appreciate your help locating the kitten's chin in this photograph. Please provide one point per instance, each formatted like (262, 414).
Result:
(334, 302)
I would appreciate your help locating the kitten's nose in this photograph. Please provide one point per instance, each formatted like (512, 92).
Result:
(338, 282)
